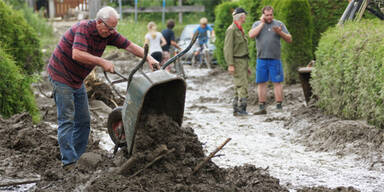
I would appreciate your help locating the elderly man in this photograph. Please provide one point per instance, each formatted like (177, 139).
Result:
(236, 56)
(77, 53)
(267, 33)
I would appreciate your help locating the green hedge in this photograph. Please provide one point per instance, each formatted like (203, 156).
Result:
(20, 39)
(16, 94)
(224, 18)
(36, 21)
(349, 72)
(296, 15)
(326, 13)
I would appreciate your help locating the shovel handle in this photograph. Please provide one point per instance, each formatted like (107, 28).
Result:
(171, 60)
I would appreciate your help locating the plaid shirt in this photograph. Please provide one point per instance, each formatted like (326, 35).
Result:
(82, 36)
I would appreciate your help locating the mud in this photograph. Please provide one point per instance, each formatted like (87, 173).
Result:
(25, 153)
(174, 171)
(31, 152)
(328, 133)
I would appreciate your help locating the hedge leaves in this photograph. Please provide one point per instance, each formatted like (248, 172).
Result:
(349, 74)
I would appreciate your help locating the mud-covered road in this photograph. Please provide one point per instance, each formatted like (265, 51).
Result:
(345, 154)
(297, 149)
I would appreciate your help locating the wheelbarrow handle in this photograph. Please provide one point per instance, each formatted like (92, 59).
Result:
(117, 81)
(138, 66)
(181, 52)
(123, 78)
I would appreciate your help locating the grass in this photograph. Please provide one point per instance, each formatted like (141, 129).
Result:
(135, 32)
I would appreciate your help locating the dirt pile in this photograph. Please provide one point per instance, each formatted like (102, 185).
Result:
(174, 171)
(32, 151)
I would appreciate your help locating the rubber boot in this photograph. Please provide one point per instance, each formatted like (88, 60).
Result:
(243, 107)
(279, 106)
(235, 106)
(261, 110)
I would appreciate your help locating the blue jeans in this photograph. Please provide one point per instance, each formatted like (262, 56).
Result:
(73, 120)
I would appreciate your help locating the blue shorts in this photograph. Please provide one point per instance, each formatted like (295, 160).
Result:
(269, 70)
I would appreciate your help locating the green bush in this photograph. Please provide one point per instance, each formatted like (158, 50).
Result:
(20, 39)
(296, 15)
(326, 13)
(224, 18)
(16, 94)
(349, 72)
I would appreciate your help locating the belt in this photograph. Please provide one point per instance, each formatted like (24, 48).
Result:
(241, 57)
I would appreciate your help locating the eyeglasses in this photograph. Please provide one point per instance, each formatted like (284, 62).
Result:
(111, 29)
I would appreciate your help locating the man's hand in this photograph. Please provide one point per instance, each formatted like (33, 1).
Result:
(262, 20)
(278, 29)
(153, 64)
(231, 69)
(108, 66)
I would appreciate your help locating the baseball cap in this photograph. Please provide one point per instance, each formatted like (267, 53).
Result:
(239, 10)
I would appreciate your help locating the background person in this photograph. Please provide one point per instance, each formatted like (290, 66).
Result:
(267, 33)
(169, 37)
(155, 40)
(202, 38)
(236, 56)
(77, 53)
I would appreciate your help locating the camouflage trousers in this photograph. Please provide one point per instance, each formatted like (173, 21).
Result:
(240, 77)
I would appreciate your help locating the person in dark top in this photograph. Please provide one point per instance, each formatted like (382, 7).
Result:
(169, 36)
(78, 52)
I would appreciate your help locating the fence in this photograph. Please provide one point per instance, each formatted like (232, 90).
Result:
(62, 6)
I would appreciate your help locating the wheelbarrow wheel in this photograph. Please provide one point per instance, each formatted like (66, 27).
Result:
(116, 128)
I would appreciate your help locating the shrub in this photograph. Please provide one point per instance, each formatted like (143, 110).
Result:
(349, 72)
(16, 94)
(224, 18)
(296, 15)
(326, 13)
(20, 39)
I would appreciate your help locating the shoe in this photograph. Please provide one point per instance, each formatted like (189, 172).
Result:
(262, 110)
(279, 106)
(242, 113)
(69, 167)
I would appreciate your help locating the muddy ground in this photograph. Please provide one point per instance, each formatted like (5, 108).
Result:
(30, 153)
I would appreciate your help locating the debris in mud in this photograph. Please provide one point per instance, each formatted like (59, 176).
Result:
(30, 149)
(97, 89)
(322, 132)
(325, 189)
(174, 171)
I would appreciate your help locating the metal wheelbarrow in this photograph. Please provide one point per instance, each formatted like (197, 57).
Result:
(158, 92)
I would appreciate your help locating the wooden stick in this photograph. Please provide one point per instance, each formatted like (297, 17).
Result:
(152, 162)
(19, 182)
(210, 156)
(124, 169)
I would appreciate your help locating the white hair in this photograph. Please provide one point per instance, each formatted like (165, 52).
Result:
(238, 16)
(106, 12)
